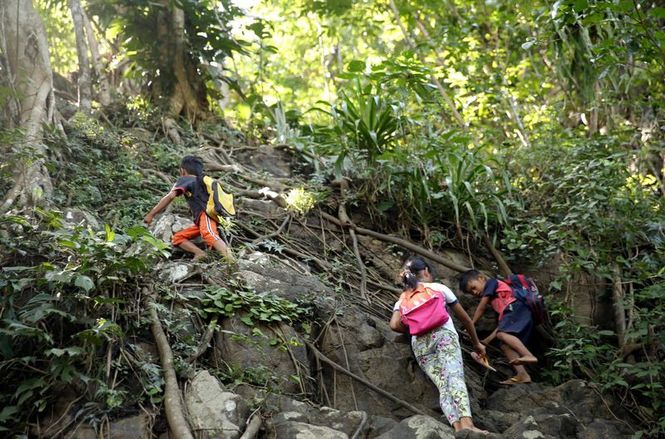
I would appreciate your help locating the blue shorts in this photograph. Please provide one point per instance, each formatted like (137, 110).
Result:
(517, 321)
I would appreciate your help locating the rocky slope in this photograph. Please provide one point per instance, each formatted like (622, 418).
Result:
(340, 373)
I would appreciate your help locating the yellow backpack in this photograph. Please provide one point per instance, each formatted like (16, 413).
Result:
(220, 203)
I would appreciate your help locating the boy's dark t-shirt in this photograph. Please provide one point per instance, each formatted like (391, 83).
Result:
(195, 194)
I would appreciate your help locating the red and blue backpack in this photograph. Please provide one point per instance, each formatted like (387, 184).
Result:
(526, 291)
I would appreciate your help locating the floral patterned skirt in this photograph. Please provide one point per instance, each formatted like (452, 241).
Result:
(440, 357)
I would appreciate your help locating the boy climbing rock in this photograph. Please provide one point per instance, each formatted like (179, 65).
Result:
(190, 184)
(515, 320)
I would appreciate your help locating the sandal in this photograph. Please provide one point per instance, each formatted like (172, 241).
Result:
(483, 360)
(512, 381)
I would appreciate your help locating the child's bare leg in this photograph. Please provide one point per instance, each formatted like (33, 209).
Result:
(525, 356)
(190, 247)
(521, 375)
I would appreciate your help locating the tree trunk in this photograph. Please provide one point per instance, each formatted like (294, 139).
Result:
(184, 95)
(85, 89)
(24, 57)
(104, 88)
(179, 81)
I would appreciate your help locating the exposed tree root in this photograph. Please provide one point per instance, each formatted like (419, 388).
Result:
(275, 233)
(361, 426)
(344, 218)
(399, 241)
(618, 307)
(175, 414)
(253, 426)
(503, 265)
(263, 194)
(205, 341)
(347, 372)
(170, 128)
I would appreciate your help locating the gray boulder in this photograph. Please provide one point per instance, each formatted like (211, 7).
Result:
(290, 280)
(294, 414)
(277, 349)
(214, 412)
(167, 224)
(300, 430)
(267, 158)
(419, 427)
(133, 427)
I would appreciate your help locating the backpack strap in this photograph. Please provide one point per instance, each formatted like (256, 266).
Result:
(522, 279)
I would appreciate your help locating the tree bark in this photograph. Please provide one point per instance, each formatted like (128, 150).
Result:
(24, 56)
(184, 97)
(85, 89)
(104, 95)
(179, 84)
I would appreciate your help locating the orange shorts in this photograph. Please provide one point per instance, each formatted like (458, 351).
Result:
(207, 229)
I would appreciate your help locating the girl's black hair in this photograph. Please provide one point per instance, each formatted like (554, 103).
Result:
(411, 271)
(467, 277)
(193, 165)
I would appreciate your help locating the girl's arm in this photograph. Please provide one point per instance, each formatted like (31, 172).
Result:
(480, 309)
(165, 201)
(468, 324)
(396, 322)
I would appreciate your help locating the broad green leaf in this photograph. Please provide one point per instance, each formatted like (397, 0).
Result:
(84, 282)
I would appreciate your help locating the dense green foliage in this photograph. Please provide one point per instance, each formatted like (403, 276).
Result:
(59, 316)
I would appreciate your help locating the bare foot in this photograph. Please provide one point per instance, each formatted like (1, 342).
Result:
(474, 429)
(527, 359)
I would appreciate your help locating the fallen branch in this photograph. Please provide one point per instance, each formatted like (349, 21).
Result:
(172, 404)
(399, 241)
(347, 372)
(263, 194)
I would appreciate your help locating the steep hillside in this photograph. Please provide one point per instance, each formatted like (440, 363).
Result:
(107, 330)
